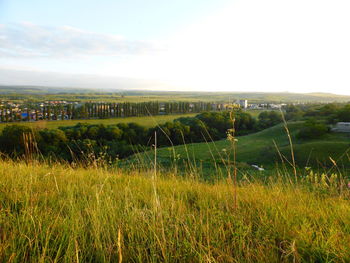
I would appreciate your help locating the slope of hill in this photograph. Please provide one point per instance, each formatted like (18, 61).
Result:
(32, 90)
(60, 214)
(262, 148)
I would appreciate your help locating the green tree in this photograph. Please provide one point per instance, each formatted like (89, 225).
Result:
(312, 130)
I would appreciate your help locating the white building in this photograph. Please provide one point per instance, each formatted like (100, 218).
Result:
(342, 127)
(243, 103)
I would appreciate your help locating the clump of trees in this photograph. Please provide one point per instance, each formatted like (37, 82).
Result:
(269, 118)
(206, 126)
(293, 112)
(122, 140)
(331, 113)
(343, 114)
(78, 141)
(313, 130)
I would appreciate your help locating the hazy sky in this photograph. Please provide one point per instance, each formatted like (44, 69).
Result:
(216, 45)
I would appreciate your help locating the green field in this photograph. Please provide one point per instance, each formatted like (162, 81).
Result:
(39, 94)
(59, 214)
(144, 121)
(259, 148)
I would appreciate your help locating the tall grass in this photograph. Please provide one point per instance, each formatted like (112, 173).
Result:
(54, 213)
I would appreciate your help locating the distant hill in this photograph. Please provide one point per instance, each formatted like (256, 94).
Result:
(171, 95)
(6, 89)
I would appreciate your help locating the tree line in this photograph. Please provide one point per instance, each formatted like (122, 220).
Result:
(101, 110)
(318, 118)
(122, 140)
(331, 113)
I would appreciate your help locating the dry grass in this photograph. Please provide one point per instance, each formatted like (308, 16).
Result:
(59, 214)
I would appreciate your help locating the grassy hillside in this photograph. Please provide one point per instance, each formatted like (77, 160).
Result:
(144, 121)
(60, 214)
(259, 148)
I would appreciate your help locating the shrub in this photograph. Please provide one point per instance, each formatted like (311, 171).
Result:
(268, 119)
(312, 130)
(12, 139)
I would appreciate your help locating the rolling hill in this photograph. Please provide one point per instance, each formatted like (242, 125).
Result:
(262, 148)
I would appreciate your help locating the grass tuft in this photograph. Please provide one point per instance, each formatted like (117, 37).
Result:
(59, 214)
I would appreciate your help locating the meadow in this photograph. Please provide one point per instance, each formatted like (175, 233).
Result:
(147, 121)
(56, 213)
(266, 148)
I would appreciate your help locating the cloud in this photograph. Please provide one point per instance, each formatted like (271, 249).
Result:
(26, 40)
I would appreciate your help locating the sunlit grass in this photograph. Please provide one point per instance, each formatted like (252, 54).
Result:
(259, 148)
(59, 214)
(146, 121)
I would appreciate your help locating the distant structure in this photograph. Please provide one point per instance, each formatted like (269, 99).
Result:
(258, 168)
(342, 127)
(243, 103)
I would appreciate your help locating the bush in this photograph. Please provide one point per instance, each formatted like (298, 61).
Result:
(13, 139)
(344, 114)
(312, 130)
(53, 142)
(268, 119)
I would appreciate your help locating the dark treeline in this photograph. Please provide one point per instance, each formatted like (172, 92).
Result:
(318, 118)
(91, 110)
(122, 140)
(118, 141)
(331, 113)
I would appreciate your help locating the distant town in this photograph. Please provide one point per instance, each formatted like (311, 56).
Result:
(65, 110)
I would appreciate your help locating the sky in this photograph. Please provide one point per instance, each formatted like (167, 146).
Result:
(199, 45)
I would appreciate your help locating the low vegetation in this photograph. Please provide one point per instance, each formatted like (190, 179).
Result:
(64, 197)
(120, 140)
(60, 214)
(266, 148)
(313, 130)
(331, 113)
(147, 121)
(196, 140)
